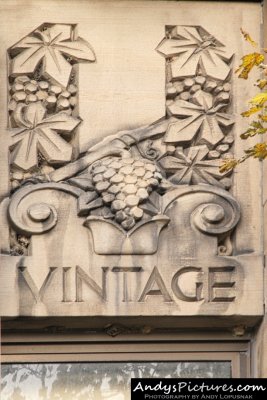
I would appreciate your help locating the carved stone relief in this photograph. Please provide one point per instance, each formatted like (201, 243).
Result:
(43, 103)
(122, 180)
(147, 196)
(198, 96)
(43, 98)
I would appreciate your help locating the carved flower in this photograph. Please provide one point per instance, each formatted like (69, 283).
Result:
(51, 47)
(193, 168)
(36, 133)
(193, 47)
(201, 116)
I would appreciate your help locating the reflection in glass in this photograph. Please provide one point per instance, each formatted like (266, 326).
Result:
(96, 381)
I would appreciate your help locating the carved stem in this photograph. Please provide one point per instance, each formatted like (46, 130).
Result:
(107, 147)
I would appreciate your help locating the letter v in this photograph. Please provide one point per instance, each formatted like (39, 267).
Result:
(37, 294)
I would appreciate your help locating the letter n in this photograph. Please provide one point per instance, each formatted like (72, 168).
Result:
(81, 277)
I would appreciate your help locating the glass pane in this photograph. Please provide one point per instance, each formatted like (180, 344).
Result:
(95, 381)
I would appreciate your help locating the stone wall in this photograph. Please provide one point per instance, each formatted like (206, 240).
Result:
(115, 119)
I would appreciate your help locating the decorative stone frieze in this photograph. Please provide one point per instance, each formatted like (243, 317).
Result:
(142, 222)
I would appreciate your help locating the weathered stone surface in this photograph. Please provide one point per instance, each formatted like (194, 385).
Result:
(43, 85)
(31, 88)
(91, 222)
(73, 101)
(65, 94)
(137, 212)
(41, 95)
(132, 200)
(108, 197)
(63, 104)
(55, 90)
(51, 101)
(102, 186)
(118, 205)
(31, 98)
(19, 96)
(17, 87)
(117, 178)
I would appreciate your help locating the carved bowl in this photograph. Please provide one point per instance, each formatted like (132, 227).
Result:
(109, 238)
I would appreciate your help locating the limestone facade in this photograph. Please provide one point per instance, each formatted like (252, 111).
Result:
(115, 119)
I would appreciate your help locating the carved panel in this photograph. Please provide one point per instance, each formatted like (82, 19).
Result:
(198, 96)
(43, 98)
(151, 216)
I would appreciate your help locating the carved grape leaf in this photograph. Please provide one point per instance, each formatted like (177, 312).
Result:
(193, 168)
(202, 117)
(51, 47)
(190, 47)
(36, 132)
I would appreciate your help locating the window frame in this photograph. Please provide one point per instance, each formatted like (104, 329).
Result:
(69, 348)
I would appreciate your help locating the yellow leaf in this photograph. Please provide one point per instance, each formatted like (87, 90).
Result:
(248, 38)
(248, 133)
(258, 151)
(259, 99)
(228, 165)
(251, 111)
(261, 83)
(263, 118)
(248, 62)
(256, 128)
